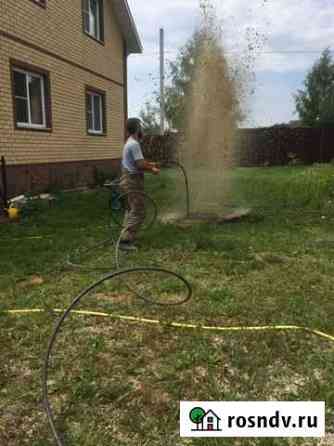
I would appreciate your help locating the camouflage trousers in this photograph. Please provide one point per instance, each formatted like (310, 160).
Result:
(133, 186)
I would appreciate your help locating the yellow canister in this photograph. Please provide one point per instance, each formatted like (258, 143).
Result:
(13, 213)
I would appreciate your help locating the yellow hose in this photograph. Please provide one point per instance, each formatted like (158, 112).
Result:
(178, 325)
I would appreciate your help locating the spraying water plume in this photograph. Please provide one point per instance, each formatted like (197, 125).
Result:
(212, 114)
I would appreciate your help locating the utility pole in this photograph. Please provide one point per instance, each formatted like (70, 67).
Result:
(162, 81)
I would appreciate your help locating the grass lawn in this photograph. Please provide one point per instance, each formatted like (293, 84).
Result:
(120, 383)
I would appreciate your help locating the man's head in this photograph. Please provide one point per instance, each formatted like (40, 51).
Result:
(134, 128)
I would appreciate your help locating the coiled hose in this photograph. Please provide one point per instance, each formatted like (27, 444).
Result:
(119, 273)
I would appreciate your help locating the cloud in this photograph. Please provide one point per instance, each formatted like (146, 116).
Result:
(271, 26)
(273, 101)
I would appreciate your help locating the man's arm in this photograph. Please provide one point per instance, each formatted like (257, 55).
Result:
(147, 166)
(141, 163)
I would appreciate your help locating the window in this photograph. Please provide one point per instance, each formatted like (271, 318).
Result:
(93, 18)
(96, 116)
(31, 98)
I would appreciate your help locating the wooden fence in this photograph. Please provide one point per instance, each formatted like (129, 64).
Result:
(275, 146)
(162, 149)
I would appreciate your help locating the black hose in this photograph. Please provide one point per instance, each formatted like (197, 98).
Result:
(76, 302)
(123, 199)
(186, 182)
(110, 276)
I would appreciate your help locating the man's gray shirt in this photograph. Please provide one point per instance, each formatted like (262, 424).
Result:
(131, 153)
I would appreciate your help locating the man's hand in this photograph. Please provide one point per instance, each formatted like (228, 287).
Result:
(147, 166)
(155, 170)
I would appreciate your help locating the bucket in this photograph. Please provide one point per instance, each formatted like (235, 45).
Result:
(13, 213)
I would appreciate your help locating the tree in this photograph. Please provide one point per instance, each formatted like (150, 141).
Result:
(183, 70)
(181, 76)
(182, 73)
(150, 118)
(176, 93)
(196, 415)
(315, 104)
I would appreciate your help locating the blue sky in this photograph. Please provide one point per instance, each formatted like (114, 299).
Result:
(283, 29)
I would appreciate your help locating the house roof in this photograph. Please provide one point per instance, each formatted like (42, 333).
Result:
(128, 26)
(211, 412)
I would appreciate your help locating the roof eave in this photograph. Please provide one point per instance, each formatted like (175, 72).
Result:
(128, 27)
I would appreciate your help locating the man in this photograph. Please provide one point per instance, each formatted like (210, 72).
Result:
(132, 183)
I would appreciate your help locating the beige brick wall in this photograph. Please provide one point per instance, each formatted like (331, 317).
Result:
(68, 140)
(58, 28)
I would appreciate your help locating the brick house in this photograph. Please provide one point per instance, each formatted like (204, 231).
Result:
(63, 89)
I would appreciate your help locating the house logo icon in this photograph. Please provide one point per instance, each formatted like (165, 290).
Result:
(205, 421)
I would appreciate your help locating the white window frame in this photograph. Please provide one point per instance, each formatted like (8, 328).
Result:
(92, 94)
(89, 31)
(29, 124)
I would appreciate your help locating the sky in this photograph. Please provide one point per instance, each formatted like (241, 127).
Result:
(289, 36)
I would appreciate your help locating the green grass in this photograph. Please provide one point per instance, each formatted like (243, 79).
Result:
(120, 383)
(285, 187)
